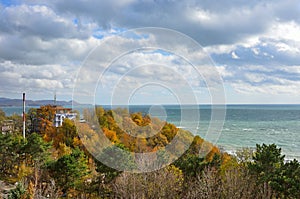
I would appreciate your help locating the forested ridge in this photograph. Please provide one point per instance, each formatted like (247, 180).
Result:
(54, 162)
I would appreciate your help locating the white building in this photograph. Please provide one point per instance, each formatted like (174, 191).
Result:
(60, 117)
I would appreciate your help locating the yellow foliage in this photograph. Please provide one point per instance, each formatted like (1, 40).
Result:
(228, 163)
(111, 135)
(23, 171)
(214, 150)
(63, 150)
(77, 142)
(226, 158)
(31, 189)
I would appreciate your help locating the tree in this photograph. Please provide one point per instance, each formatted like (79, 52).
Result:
(2, 115)
(267, 160)
(11, 156)
(36, 148)
(170, 131)
(287, 182)
(69, 170)
(45, 117)
(164, 183)
(244, 155)
(66, 134)
(32, 120)
(266, 166)
(117, 155)
(190, 164)
(205, 185)
(26, 158)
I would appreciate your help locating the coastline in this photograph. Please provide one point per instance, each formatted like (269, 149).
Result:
(245, 125)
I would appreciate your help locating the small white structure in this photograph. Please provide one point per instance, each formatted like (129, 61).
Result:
(60, 117)
(61, 114)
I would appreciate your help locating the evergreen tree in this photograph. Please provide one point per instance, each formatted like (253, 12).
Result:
(267, 160)
(69, 170)
(11, 156)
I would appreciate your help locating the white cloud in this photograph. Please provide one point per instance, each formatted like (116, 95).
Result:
(287, 87)
(255, 78)
(255, 44)
(38, 79)
(224, 72)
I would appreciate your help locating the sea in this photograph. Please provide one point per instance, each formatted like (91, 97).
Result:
(244, 125)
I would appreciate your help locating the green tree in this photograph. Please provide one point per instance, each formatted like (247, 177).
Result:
(267, 160)
(32, 120)
(36, 149)
(69, 170)
(190, 164)
(287, 182)
(11, 156)
(267, 167)
(36, 152)
(116, 155)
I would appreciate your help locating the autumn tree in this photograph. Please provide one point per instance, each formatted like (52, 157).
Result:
(66, 134)
(45, 116)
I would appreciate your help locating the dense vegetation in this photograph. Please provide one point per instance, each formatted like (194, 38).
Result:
(53, 162)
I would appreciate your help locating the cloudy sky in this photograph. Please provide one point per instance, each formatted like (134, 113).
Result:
(253, 45)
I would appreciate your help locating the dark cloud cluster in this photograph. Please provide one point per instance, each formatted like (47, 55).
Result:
(46, 36)
(209, 22)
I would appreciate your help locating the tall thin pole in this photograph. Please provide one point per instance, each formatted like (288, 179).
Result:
(24, 116)
(54, 102)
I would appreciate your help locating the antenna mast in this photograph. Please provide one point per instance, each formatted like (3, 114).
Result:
(54, 98)
(24, 116)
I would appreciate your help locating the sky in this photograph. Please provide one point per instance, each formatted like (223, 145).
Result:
(66, 46)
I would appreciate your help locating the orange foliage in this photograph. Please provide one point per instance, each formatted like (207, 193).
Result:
(226, 158)
(196, 145)
(111, 135)
(121, 127)
(214, 150)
